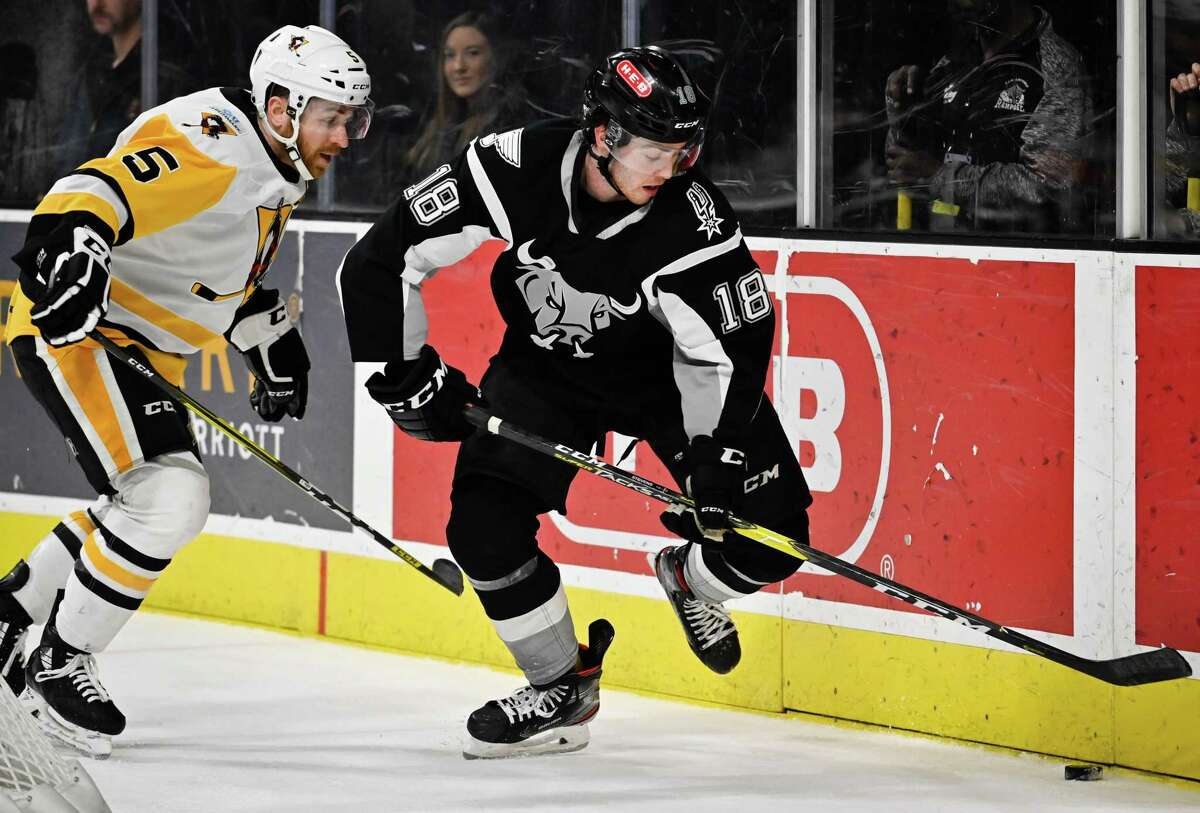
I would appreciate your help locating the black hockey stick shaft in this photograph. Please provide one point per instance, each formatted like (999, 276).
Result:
(443, 571)
(1132, 670)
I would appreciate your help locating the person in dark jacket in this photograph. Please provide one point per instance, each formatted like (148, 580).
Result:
(996, 136)
(1181, 165)
(109, 87)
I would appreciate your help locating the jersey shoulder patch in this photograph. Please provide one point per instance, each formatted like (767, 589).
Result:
(516, 160)
(507, 145)
(215, 127)
(697, 211)
(705, 209)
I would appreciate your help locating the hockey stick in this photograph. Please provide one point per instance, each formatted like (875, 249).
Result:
(1131, 670)
(443, 571)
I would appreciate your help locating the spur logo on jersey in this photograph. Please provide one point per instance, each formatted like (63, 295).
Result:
(706, 210)
(633, 77)
(561, 314)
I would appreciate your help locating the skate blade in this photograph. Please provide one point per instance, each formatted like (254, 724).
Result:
(88, 743)
(562, 740)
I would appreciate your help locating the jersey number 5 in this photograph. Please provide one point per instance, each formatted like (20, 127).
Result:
(752, 301)
(146, 165)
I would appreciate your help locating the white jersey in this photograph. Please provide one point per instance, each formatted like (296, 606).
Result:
(196, 203)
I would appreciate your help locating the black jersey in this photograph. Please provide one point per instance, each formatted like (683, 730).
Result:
(644, 307)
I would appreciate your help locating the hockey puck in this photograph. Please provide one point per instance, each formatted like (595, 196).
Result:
(1083, 773)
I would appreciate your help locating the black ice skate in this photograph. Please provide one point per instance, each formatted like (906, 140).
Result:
(709, 629)
(547, 719)
(14, 626)
(67, 699)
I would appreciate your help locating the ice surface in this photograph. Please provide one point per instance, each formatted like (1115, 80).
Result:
(231, 719)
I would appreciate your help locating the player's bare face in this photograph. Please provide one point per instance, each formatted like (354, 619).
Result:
(466, 61)
(108, 16)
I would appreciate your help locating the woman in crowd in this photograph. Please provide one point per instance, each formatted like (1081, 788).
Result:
(475, 96)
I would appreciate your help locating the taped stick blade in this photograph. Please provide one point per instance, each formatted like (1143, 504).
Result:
(1145, 667)
(449, 575)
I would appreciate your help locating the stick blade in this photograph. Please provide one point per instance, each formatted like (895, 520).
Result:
(1154, 666)
(448, 575)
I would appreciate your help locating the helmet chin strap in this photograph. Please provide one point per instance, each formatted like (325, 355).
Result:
(289, 144)
(602, 162)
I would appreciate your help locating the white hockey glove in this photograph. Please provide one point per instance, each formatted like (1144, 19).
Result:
(69, 287)
(274, 351)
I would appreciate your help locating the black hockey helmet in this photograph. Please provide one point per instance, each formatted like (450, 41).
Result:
(647, 93)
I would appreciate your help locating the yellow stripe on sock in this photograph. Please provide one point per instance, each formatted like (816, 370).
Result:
(112, 570)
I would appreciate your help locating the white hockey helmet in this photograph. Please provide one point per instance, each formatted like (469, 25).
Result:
(310, 62)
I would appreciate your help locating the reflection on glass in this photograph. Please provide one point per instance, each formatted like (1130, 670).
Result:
(71, 83)
(1175, 102)
(476, 94)
(750, 146)
(969, 116)
(443, 75)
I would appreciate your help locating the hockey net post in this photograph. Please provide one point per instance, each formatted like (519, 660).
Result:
(34, 778)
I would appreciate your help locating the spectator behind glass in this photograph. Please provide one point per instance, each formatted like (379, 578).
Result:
(18, 66)
(476, 93)
(109, 89)
(1182, 169)
(995, 138)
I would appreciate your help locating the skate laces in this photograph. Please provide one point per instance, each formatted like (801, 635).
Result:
(81, 669)
(528, 701)
(709, 622)
(17, 651)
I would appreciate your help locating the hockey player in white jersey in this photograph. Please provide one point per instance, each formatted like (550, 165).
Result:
(161, 246)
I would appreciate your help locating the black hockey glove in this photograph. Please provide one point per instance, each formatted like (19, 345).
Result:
(69, 286)
(718, 474)
(274, 352)
(425, 397)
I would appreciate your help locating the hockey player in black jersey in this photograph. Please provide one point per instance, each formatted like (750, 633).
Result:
(631, 303)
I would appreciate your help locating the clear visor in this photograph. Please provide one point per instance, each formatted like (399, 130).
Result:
(331, 117)
(646, 157)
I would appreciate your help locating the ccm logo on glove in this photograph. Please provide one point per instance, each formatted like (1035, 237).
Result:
(425, 397)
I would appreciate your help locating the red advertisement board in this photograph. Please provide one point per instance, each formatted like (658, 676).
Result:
(974, 437)
(930, 399)
(1167, 585)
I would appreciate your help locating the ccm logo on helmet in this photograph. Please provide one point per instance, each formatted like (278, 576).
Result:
(633, 77)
